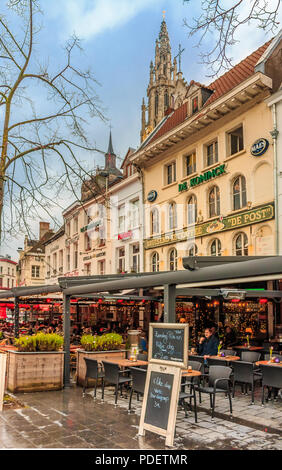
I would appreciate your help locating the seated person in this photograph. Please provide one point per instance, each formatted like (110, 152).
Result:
(208, 345)
(229, 337)
(214, 331)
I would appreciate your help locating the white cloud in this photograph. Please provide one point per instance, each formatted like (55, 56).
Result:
(88, 18)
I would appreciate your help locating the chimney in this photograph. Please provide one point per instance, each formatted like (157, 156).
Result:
(44, 227)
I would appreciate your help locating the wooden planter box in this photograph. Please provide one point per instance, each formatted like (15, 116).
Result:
(34, 371)
(99, 356)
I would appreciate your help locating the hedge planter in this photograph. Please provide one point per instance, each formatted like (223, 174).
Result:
(99, 356)
(35, 371)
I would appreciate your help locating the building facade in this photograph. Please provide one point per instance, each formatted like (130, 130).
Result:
(7, 272)
(31, 265)
(102, 233)
(208, 170)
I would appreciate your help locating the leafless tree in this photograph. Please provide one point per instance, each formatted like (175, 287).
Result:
(43, 112)
(220, 21)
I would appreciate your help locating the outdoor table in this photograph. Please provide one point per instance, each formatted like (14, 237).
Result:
(190, 373)
(268, 363)
(226, 358)
(128, 363)
(246, 348)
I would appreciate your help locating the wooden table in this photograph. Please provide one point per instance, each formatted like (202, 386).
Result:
(226, 358)
(250, 348)
(190, 373)
(267, 363)
(128, 363)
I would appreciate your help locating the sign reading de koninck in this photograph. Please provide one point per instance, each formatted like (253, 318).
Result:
(210, 174)
(256, 215)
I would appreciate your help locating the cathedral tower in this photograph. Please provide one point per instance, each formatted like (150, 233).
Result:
(163, 80)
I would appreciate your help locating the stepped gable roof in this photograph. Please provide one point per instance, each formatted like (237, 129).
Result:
(221, 86)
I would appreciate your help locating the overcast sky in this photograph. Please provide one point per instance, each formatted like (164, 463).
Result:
(118, 37)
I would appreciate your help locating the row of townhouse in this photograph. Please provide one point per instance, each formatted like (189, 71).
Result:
(102, 233)
(205, 180)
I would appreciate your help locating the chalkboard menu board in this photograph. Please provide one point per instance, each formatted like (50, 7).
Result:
(158, 399)
(168, 343)
(160, 402)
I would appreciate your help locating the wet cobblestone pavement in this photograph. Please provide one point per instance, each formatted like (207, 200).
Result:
(65, 419)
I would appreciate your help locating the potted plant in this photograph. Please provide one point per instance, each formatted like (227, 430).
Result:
(104, 347)
(37, 364)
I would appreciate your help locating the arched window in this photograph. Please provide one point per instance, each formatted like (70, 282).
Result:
(241, 245)
(173, 260)
(192, 210)
(193, 250)
(216, 248)
(239, 193)
(155, 228)
(156, 104)
(155, 262)
(214, 202)
(172, 219)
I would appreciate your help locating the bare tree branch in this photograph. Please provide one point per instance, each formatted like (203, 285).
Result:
(40, 152)
(220, 24)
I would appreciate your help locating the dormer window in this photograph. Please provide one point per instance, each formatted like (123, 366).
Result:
(195, 104)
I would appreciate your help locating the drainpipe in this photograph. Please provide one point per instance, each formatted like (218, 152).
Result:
(274, 134)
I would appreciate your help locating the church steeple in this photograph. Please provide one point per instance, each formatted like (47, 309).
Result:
(166, 88)
(161, 84)
(110, 156)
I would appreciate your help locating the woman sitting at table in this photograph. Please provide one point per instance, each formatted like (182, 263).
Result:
(208, 345)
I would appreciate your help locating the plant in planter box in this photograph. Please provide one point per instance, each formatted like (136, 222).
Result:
(48, 341)
(39, 342)
(107, 342)
(26, 343)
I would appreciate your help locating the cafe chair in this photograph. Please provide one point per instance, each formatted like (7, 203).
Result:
(216, 362)
(229, 352)
(93, 371)
(114, 376)
(271, 378)
(250, 356)
(193, 357)
(218, 382)
(138, 376)
(244, 373)
(183, 395)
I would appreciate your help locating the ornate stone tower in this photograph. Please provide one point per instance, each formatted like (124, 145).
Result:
(163, 80)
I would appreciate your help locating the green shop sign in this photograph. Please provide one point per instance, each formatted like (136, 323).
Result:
(242, 219)
(208, 175)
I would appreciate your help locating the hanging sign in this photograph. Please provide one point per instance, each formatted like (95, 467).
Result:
(152, 196)
(259, 147)
(159, 407)
(168, 343)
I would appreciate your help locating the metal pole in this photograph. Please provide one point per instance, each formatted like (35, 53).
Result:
(66, 322)
(169, 303)
(16, 317)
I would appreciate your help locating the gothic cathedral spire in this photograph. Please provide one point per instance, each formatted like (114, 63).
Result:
(161, 85)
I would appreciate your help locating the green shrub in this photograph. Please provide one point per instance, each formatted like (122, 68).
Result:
(48, 341)
(26, 343)
(39, 342)
(107, 342)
